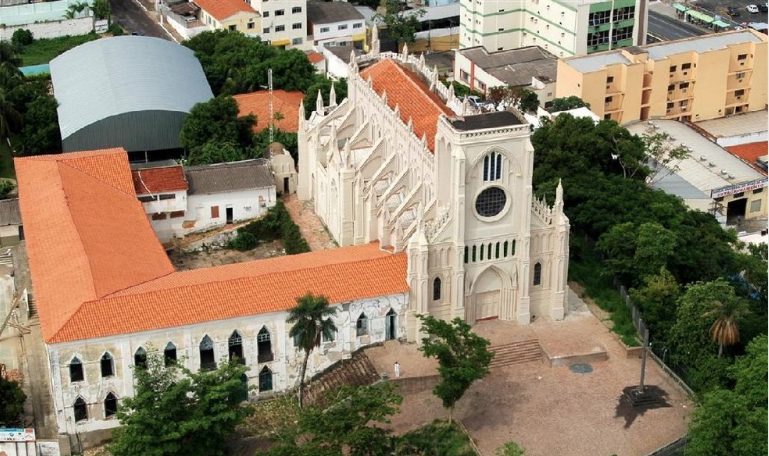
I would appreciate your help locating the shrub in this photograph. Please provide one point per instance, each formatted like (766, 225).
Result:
(276, 224)
(243, 241)
(6, 187)
(115, 29)
(22, 37)
(510, 449)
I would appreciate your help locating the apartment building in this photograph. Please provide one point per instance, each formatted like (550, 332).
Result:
(229, 15)
(336, 24)
(284, 23)
(564, 28)
(693, 79)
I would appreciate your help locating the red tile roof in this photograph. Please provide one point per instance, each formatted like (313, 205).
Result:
(414, 98)
(159, 180)
(750, 152)
(222, 9)
(258, 104)
(87, 234)
(99, 270)
(315, 57)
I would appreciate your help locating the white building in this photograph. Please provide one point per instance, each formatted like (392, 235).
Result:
(335, 24)
(396, 163)
(531, 68)
(563, 28)
(284, 23)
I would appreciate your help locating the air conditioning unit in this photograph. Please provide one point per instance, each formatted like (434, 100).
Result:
(711, 164)
(731, 176)
(703, 158)
(724, 172)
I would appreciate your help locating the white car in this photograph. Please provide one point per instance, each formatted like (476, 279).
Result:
(752, 9)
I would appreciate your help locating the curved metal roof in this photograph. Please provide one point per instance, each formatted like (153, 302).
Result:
(118, 75)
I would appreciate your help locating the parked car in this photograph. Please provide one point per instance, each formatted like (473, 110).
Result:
(752, 9)
(733, 11)
(476, 101)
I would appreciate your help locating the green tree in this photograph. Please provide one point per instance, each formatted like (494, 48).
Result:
(734, 423)
(10, 78)
(351, 424)
(215, 152)
(657, 298)
(21, 37)
(175, 411)
(518, 97)
(725, 331)
(6, 187)
(324, 85)
(463, 357)
(567, 103)
(12, 400)
(510, 449)
(216, 121)
(75, 10)
(101, 9)
(310, 320)
(402, 23)
(41, 133)
(635, 252)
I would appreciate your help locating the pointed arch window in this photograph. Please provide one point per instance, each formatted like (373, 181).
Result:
(537, 274)
(110, 405)
(107, 365)
(265, 379)
(437, 289)
(80, 409)
(207, 358)
(492, 167)
(361, 325)
(76, 370)
(235, 342)
(140, 358)
(264, 345)
(169, 354)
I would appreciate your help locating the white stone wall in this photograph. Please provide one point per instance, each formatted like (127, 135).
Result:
(245, 205)
(52, 29)
(285, 365)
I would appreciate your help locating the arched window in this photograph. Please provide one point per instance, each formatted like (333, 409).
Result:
(80, 409)
(110, 405)
(107, 365)
(76, 370)
(140, 358)
(169, 354)
(235, 342)
(361, 326)
(264, 346)
(207, 359)
(437, 289)
(265, 379)
(492, 167)
(537, 274)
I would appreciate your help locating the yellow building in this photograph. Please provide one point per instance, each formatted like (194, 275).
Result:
(693, 79)
(230, 15)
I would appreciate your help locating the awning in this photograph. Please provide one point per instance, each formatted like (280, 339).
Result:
(701, 16)
(720, 24)
(679, 7)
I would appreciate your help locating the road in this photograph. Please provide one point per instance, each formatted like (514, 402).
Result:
(133, 18)
(667, 28)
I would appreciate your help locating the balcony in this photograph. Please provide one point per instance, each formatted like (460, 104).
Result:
(648, 77)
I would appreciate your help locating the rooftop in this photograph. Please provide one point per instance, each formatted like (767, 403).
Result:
(99, 270)
(410, 94)
(284, 103)
(150, 181)
(515, 67)
(743, 124)
(331, 12)
(750, 153)
(222, 9)
(228, 177)
(483, 121)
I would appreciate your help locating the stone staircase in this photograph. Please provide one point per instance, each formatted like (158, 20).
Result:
(357, 371)
(526, 351)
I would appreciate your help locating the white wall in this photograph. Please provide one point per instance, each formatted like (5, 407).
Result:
(245, 205)
(727, 141)
(285, 366)
(335, 35)
(52, 29)
(335, 67)
(183, 30)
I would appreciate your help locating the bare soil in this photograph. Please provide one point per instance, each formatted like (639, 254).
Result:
(185, 261)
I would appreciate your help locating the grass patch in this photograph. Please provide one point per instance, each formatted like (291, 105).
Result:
(436, 439)
(7, 170)
(271, 418)
(46, 49)
(587, 269)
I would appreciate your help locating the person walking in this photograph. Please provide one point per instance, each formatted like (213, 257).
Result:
(397, 369)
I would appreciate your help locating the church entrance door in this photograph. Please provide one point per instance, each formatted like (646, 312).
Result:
(487, 305)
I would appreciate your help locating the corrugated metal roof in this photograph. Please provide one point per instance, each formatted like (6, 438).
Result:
(228, 177)
(515, 67)
(118, 75)
(700, 44)
(331, 12)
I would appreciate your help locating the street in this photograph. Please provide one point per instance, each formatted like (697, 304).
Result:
(133, 18)
(666, 28)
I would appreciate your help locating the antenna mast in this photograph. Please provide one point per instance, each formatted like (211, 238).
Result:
(269, 86)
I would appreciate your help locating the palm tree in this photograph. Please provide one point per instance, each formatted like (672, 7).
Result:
(311, 320)
(726, 328)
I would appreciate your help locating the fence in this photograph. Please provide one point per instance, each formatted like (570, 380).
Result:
(673, 448)
(469, 437)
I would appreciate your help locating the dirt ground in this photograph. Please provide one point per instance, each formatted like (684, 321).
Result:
(184, 261)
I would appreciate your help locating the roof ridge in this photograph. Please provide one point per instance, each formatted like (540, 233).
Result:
(403, 70)
(66, 162)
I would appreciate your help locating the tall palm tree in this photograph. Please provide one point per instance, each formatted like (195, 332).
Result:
(311, 319)
(726, 328)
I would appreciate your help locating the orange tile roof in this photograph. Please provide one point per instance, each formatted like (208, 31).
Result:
(87, 234)
(258, 104)
(158, 180)
(99, 270)
(750, 152)
(315, 57)
(414, 98)
(222, 9)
